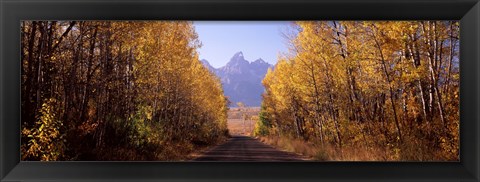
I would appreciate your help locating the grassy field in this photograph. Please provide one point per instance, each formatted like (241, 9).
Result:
(241, 121)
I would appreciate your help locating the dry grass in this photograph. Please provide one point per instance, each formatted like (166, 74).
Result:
(236, 124)
(239, 127)
(326, 153)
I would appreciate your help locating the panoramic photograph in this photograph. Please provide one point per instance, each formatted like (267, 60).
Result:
(250, 91)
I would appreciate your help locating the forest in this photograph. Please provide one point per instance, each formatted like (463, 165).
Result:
(137, 91)
(116, 90)
(366, 90)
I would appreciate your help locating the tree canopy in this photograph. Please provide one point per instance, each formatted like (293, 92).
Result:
(386, 87)
(107, 90)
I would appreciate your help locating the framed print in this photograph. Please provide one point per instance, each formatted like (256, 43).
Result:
(239, 90)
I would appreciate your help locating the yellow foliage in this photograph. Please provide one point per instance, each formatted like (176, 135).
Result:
(370, 84)
(46, 140)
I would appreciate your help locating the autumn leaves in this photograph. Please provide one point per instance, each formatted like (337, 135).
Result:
(108, 90)
(116, 91)
(386, 87)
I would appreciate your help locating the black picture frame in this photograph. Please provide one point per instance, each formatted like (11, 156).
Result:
(13, 11)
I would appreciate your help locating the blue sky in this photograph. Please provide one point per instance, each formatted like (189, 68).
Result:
(256, 39)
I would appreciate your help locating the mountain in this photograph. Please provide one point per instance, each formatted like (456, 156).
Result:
(207, 65)
(241, 79)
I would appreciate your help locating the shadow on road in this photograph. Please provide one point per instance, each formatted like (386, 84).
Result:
(244, 148)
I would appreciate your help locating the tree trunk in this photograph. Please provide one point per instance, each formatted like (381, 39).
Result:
(387, 77)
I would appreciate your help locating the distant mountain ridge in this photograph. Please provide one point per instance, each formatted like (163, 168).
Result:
(241, 79)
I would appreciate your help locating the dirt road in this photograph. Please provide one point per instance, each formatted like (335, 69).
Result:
(243, 148)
